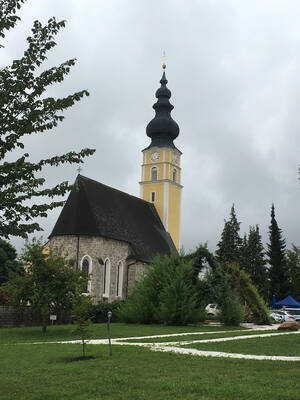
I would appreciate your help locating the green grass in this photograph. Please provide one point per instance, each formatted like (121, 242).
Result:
(98, 331)
(285, 345)
(35, 372)
(212, 335)
(43, 372)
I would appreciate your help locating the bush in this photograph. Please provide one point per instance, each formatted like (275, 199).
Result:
(4, 298)
(232, 312)
(98, 313)
(167, 295)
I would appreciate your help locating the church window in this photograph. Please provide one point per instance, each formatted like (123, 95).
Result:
(119, 278)
(174, 175)
(86, 270)
(154, 173)
(152, 197)
(106, 278)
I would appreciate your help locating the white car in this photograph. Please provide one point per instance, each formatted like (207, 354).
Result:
(212, 309)
(282, 316)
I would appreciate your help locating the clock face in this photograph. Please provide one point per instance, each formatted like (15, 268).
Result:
(155, 156)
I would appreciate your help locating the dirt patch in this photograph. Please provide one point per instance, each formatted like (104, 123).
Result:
(81, 358)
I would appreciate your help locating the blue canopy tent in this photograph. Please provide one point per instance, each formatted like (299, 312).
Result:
(287, 302)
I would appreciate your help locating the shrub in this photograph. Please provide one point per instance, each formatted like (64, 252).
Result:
(232, 312)
(98, 312)
(167, 294)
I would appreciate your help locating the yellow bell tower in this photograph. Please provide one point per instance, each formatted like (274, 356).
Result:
(161, 169)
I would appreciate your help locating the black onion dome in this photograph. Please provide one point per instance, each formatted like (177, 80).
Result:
(162, 129)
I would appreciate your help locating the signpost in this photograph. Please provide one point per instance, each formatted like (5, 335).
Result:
(52, 318)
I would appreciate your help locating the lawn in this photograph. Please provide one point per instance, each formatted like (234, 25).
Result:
(211, 335)
(44, 371)
(285, 345)
(98, 331)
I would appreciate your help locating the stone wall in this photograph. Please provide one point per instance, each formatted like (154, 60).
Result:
(97, 250)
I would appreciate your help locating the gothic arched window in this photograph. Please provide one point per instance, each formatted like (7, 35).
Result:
(119, 278)
(154, 174)
(106, 278)
(86, 270)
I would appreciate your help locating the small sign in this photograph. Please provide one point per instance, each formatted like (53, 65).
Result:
(52, 317)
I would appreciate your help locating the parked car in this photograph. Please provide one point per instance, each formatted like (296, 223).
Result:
(212, 309)
(295, 312)
(282, 316)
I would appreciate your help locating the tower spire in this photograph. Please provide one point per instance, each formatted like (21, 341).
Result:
(162, 129)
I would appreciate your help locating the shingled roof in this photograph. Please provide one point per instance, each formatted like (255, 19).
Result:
(99, 210)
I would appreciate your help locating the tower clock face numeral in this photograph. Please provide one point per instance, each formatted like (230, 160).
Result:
(155, 156)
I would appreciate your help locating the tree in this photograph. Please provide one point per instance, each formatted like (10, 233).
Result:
(49, 284)
(253, 260)
(166, 294)
(81, 304)
(229, 247)
(229, 280)
(8, 261)
(293, 270)
(276, 258)
(26, 110)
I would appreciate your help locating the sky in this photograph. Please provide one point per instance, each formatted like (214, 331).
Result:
(233, 70)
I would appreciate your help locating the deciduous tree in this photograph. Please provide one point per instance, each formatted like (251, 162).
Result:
(49, 284)
(25, 109)
(8, 261)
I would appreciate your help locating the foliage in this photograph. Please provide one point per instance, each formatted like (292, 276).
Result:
(26, 110)
(4, 298)
(232, 312)
(49, 283)
(8, 261)
(253, 260)
(249, 293)
(223, 292)
(166, 294)
(293, 269)
(229, 247)
(81, 304)
(98, 312)
(227, 279)
(276, 258)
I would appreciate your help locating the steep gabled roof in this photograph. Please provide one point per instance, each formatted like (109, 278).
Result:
(95, 209)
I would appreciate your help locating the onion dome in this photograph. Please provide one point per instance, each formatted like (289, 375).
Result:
(162, 129)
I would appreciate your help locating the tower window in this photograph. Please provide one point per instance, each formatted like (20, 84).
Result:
(174, 178)
(152, 197)
(154, 173)
(106, 278)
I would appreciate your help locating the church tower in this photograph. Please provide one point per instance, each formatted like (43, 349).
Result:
(161, 172)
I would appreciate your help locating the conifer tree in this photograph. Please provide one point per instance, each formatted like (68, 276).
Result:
(293, 270)
(253, 260)
(25, 109)
(276, 258)
(229, 247)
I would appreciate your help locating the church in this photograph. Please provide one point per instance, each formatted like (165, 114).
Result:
(112, 236)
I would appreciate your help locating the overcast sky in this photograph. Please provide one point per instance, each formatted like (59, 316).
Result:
(233, 69)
